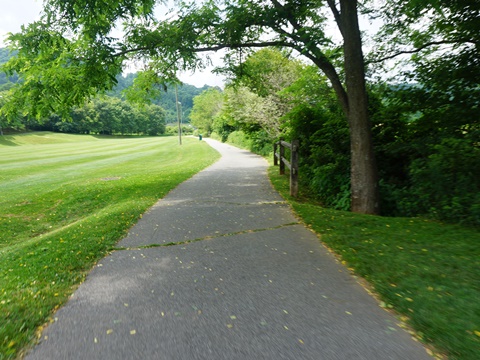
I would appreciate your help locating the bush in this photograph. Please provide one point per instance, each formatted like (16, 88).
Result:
(173, 130)
(222, 127)
(324, 152)
(215, 136)
(239, 138)
(446, 185)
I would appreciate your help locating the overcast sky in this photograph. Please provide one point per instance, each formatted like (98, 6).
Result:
(14, 13)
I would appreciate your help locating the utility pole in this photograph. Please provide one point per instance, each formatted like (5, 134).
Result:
(179, 116)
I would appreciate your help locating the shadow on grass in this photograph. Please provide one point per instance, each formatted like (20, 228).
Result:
(4, 141)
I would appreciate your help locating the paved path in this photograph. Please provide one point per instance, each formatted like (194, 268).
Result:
(246, 281)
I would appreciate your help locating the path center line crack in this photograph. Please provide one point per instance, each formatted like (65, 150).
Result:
(210, 237)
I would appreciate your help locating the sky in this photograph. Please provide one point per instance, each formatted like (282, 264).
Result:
(15, 13)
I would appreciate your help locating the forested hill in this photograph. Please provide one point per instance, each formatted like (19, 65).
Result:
(186, 92)
(166, 100)
(5, 82)
(4, 55)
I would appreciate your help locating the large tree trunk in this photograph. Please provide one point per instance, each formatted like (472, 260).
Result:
(364, 177)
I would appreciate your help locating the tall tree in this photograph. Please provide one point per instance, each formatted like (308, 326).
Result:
(73, 44)
(206, 107)
(256, 95)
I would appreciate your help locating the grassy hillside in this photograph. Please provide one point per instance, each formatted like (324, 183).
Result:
(43, 137)
(65, 201)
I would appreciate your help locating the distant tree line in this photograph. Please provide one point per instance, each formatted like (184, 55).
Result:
(107, 116)
(110, 113)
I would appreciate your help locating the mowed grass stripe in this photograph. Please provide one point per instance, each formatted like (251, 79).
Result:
(46, 137)
(90, 162)
(85, 166)
(52, 155)
(62, 214)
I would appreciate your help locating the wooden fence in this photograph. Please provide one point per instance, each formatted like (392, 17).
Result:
(280, 159)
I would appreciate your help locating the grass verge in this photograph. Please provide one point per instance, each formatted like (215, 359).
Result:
(65, 201)
(427, 272)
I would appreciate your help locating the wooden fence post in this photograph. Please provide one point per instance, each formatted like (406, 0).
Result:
(282, 155)
(275, 147)
(294, 169)
(279, 159)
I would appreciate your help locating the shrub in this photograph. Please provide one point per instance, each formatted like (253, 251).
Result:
(446, 185)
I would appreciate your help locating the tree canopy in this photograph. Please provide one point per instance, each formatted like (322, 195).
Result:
(206, 107)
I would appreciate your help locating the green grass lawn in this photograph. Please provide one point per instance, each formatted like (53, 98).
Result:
(428, 272)
(65, 201)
